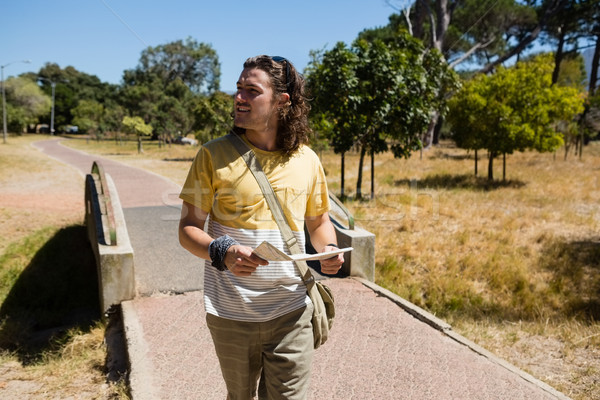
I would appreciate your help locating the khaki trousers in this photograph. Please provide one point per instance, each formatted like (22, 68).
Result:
(278, 353)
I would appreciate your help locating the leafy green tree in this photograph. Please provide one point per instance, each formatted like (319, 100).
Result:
(142, 99)
(473, 29)
(377, 92)
(332, 79)
(572, 73)
(165, 85)
(174, 111)
(461, 30)
(25, 102)
(514, 109)
(72, 86)
(88, 116)
(112, 119)
(195, 64)
(565, 30)
(213, 115)
(137, 126)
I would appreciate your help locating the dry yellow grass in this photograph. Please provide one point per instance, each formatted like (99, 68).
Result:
(512, 266)
(38, 196)
(35, 191)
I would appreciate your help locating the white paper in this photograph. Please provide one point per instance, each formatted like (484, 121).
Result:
(268, 252)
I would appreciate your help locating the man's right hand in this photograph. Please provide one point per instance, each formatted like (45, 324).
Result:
(241, 260)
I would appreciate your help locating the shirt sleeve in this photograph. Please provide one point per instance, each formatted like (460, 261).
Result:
(318, 198)
(198, 188)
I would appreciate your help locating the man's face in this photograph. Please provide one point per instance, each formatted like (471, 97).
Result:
(255, 108)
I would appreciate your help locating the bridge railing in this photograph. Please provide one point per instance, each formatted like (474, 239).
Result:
(360, 262)
(109, 239)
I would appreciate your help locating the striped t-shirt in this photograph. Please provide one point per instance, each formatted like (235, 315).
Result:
(220, 183)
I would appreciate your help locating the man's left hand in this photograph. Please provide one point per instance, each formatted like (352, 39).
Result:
(332, 265)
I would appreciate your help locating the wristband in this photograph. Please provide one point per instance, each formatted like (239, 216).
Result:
(333, 245)
(217, 250)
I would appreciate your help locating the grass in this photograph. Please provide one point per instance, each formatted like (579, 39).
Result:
(512, 265)
(521, 249)
(51, 333)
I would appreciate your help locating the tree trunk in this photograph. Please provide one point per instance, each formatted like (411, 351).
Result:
(363, 150)
(431, 129)
(582, 139)
(421, 10)
(503, 167)
(437, 130)
(491, 166)
(372, 174)
(475, 162)
(444, 14)
(558, 56)
(342, 194)
(595, 65)
(140, 149)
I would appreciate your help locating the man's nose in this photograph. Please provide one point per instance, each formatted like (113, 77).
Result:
(240, 95)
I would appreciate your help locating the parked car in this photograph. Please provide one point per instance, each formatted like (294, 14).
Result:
(185, 140)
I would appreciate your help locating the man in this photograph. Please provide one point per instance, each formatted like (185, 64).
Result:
(259, 313)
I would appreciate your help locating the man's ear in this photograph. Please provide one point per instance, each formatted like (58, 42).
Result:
(284, 98)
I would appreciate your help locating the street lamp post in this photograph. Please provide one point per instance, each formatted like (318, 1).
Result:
(53, 85)
(4, 95)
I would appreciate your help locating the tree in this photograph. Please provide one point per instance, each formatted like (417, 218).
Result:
(112, 119)
(88, 116)
(546, 11)
(375, 92)
(458, 29)
(173, 111)
(566, 29)
(212, 115)
(572, 73)
(195, 64)
(489, 33)
(25, 102)
(137, 126)
(514, 109)
(163, 89)
(593, 29)
(142, 99)
(333, 83)
(72, 86)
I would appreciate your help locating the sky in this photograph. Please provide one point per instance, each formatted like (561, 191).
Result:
(106, 37)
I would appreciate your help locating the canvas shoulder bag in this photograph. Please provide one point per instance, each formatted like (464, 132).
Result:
(320, 295)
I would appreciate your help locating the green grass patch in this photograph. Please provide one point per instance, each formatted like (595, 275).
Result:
(48, 287)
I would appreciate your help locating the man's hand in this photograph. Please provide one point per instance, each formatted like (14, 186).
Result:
(332, 265)
(241, 260)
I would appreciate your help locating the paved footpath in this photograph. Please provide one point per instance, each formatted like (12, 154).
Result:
(381, 346)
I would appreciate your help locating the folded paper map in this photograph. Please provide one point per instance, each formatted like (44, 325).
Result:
(268, 252)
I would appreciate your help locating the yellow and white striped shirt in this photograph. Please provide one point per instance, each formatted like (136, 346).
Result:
(220, 183)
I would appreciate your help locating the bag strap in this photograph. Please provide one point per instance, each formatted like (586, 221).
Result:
(263, 182)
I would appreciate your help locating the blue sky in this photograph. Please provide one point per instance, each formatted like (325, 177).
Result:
(106, 37)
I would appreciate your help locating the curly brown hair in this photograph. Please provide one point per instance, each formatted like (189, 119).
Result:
(293, 119)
